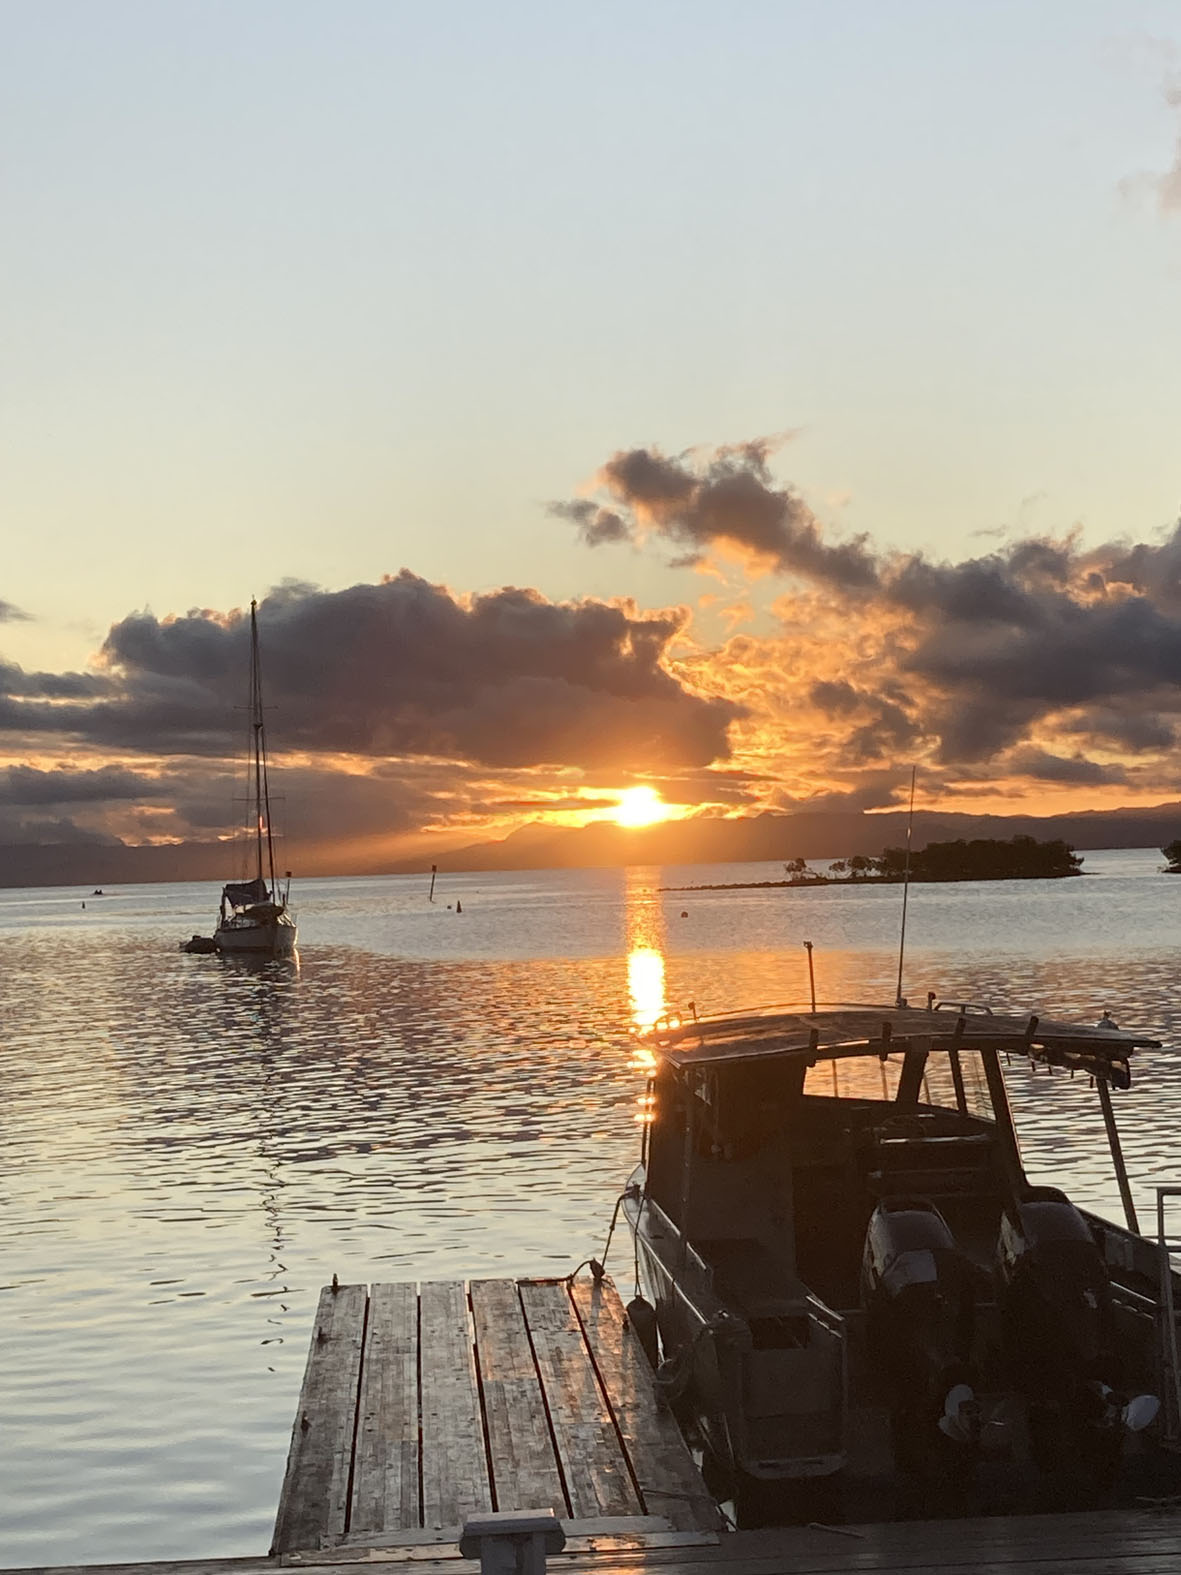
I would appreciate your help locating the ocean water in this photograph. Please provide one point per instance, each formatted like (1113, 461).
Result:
(190, 1148)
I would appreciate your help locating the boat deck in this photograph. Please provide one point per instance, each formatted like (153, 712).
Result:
(424, 1405)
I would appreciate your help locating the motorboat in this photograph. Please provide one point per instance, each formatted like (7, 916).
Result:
(254, 918)
(854, 1280)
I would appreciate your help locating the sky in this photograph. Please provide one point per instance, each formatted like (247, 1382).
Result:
(743, 402)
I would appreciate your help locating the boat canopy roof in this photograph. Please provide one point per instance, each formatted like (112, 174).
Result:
(845, 1030)
(240, 893)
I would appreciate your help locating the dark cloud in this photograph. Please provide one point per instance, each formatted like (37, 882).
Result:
(835, 697)
(24, 830)
(729, 501)
(596, 525)
(24, 785)
(15, 683)
(12, 614)
(1042, 633)
(1045, 767)
(404, 668)
(874, 790)
(1136, 731)
(1035, 634)
(1154, 571)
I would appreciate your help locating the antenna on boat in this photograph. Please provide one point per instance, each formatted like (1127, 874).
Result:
(898, 997)
(811, 976)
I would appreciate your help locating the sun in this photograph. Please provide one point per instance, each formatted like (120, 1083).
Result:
(640, 806)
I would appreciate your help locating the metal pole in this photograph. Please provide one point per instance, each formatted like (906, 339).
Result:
(1170, 1363)
(434, 871)
(811, 977)
(1117, 1155)
(1003, 1115)
(905, 890)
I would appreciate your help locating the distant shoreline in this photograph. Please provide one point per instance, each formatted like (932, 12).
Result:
(872, 880)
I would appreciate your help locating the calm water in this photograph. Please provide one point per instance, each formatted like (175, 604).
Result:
(189, 1149)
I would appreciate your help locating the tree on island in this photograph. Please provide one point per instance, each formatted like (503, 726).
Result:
(1172, 851)
(985, 858)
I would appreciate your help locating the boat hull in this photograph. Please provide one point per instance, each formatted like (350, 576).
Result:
(268, 938)
(768, 1411)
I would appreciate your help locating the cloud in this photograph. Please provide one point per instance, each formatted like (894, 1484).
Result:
(1042, 659)
(1045, 767)
(1168, 183)
(596, 524)
(16, 683)
(21, 830)
(1129, 730)
(27, 786)
(727, 502)
(12, 614)
(401, 668)
(1041, 666)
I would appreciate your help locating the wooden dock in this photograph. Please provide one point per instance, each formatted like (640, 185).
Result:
(1104, 1542)
(425, 1405)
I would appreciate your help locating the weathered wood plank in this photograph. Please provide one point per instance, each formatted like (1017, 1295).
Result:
(595, 1472)
(314, 1499)
(670, 1484)
(385, 1465)
(454, 1463)
(1089, 1543)
(525, 1471)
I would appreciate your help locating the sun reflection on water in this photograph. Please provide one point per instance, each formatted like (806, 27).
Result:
(645, 942)
(645, 985)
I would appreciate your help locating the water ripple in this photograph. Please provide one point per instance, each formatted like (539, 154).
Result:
(191, 1148)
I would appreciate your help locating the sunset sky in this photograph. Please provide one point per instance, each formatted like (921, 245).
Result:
(742, 403)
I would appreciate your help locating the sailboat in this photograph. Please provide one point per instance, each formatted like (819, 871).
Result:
(254, 918)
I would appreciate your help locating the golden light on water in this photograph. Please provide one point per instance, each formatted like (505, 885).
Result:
(646, 982)
(645, 985)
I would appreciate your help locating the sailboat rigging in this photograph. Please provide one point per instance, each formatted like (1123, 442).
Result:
(254, 915)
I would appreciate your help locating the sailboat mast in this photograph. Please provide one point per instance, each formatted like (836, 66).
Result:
(262, 800)
(256, 736)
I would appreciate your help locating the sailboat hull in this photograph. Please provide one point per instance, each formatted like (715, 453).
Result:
(262, 938)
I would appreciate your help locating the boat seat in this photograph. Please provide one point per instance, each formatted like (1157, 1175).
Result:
(933, 1167)
(751, 1278)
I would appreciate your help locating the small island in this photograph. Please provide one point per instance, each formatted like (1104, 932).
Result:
(1172, 851)
(983, 858)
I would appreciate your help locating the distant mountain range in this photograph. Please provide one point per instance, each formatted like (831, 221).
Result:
(819, 836)
(823, 835)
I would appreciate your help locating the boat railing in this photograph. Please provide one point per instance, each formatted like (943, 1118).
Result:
(1169, 1253)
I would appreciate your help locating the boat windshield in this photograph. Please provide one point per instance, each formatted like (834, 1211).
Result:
(870, 1077)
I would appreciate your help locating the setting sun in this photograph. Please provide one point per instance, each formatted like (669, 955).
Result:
(640, 806)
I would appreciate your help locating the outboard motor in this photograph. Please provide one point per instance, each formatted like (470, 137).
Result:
(916, 1288)
(1059, 1341)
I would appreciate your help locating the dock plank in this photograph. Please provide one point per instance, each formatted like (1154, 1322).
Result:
(386, 1457)
(454, 1462)
(670, 1484)
(313, 1503)
(596, 1474)
(525, 1472)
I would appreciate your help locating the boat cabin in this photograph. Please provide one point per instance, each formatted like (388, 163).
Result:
(831, 1211)
(787, 1128)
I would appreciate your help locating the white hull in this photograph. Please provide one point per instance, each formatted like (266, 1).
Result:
(272, 938)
